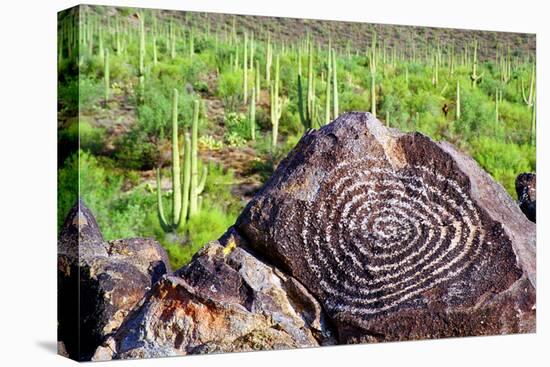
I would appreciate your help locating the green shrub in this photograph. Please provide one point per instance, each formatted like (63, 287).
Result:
(229, 88)
(504, 161)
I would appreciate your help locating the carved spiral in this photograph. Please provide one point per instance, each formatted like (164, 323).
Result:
(377, 237)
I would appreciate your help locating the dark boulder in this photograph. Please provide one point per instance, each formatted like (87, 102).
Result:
(397, 236)
(100, 281)
(526, 189)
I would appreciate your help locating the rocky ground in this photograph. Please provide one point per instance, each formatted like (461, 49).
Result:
(362, 234)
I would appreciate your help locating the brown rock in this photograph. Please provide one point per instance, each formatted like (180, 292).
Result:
(99, 282)
(225, 300)
(398, 237)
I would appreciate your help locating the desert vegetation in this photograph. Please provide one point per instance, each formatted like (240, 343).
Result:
(170, 121)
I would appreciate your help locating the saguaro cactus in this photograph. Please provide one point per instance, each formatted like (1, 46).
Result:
(276, 105)
(474, 76)
(436, 62)
(155, 56)
(372, 67)
(252, 115)
(257, 81)
(106, 76)
(306, 109)
(186, 199)
(528, 99)
(268, 59)
(197, 184)
(245, 69)
(141, 74)
(327, 90)
(174, 223)
(458, 100)
(335, 84)
(497, 101)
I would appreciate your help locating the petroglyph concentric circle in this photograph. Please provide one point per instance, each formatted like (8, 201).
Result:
(377, 237)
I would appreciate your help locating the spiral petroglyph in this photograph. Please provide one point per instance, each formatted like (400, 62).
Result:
(390, 236)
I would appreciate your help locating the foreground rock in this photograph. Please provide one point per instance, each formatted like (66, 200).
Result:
(526, 189)
(106, 279)
(398, 237)
(225, 300)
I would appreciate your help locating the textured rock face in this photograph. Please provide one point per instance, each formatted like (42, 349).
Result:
(526, 189)
(398, 237)
(225, 300)
(106, 278)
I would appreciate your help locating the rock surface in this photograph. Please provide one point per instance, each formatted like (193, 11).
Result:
(106, 278)
(362, 234)
(225, 300)
(526, 189)
(398, 237)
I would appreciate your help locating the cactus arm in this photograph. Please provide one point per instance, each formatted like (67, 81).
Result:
(257, 81)
(277, 106)
(141, 75)
(186, 182)
(335, 84)
(529, 99)
(160, 209)
(194, 166)
(310, 87)
(176, 175)
(252, 117)
(327, 91)
(106, 76)
(202, 181)
(245, 69)
(373, 75)
(300, 92)
(458, 100)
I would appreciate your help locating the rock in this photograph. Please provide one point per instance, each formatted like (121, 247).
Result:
(225, 300)
(396, 236)
(526, 189)
(106, 278)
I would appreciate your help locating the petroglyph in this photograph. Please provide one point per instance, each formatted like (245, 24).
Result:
(377, 237)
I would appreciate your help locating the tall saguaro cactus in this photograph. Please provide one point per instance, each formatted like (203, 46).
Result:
(245, 69)
(186, 198)
(306, 109)
(497, 101)
(197, 183)
(474, 76)
(327, 90)
(141, 74)
(457, 100)
(257, 81)
(335, 84)
(252, 115)
(177, 216)
(528, 99)
(372, 67)
(268, 59)
(106, 76)
(276, 105)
